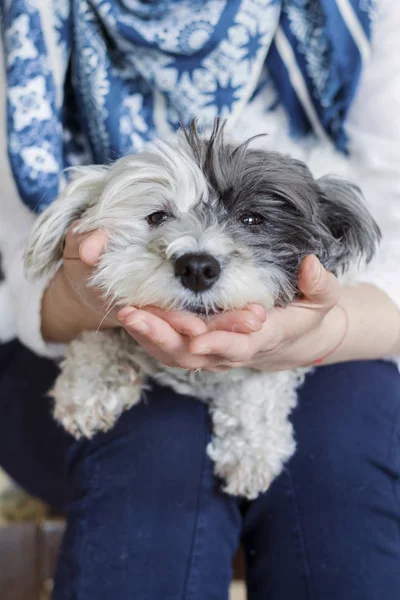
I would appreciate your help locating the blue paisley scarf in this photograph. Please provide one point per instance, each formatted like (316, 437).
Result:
(90, 80)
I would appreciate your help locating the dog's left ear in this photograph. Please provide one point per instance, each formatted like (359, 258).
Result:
(355, 234)
(45, 245)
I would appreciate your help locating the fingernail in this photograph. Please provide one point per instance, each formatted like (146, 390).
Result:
(88, 250)
(262, 314)
(244, 327)
(203, 350)
(316, 269)
(138, 325)
(125, 312)
(259, 311)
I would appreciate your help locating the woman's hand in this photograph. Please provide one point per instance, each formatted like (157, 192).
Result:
(70, 305)
(297, 335)
(366, 324)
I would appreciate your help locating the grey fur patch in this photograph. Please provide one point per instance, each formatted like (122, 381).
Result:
(344, 211)
(302, 216)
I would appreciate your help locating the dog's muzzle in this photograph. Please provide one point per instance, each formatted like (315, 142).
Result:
(197, 272)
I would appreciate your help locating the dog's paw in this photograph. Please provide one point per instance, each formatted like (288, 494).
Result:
(245, 476)
(239, 481)
(84, 420)
(95, 413)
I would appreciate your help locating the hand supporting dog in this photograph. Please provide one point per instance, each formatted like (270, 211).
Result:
(71, 306)
(282, 339)
(289, 337)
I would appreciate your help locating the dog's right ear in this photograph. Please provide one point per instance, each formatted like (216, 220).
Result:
(46, 243)
(355, 235)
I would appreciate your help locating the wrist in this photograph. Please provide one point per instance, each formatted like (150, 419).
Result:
(62, 315)
(373, 325)
(334, 329)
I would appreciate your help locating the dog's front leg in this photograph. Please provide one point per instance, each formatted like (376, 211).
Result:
(252, 435)
(98, 381)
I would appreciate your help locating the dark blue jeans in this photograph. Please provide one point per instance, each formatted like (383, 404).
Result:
(146, 518)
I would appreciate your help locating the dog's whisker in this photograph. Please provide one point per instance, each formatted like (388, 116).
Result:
(105, 316)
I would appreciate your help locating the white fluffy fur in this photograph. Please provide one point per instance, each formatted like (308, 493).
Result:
(104, 373)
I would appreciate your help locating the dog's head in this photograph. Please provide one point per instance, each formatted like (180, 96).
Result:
(204, 225)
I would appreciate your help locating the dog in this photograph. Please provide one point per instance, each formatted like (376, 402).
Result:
(202, 225)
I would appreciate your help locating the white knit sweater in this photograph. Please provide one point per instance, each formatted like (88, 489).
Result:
(374, 163)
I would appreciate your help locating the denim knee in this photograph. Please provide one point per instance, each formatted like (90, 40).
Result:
(147, 518)
(329, 527)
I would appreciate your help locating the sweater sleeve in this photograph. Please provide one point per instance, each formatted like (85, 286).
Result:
(20, 300)
(374, 130)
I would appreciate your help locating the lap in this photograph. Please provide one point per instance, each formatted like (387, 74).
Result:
(148, 518)
(32, 446)
(143, 494)
(330, 525)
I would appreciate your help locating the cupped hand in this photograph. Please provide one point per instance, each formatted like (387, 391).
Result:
(71, 305)
(169, 336)
(284, 338)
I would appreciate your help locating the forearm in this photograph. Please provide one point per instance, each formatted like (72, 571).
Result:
(373, 325)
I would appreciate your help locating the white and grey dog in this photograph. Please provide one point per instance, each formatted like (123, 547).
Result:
(204, 226)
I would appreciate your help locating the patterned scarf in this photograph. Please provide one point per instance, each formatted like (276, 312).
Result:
(90, 80)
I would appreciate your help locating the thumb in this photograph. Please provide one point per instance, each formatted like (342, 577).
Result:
(92, 247)
(318, 285)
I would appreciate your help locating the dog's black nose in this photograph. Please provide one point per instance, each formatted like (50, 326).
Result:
(197, 272)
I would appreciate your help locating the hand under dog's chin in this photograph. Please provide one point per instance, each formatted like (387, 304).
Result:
(203, 311)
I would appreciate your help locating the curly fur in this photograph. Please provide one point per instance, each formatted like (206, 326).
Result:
(206, 188)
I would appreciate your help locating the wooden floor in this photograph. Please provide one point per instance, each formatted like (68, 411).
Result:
(28, 554)
(238, 591)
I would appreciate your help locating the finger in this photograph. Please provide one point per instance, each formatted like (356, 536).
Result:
(245, 321)
(238, 321)
(258, 310)
(233, 347)
(183, 322)
(319, 287)
(72, 243)
(84, 246)
(162, 342)
(92, 246)
(149, 329)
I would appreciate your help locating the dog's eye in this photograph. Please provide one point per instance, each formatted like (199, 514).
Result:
(251, 219)
(157, 218)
